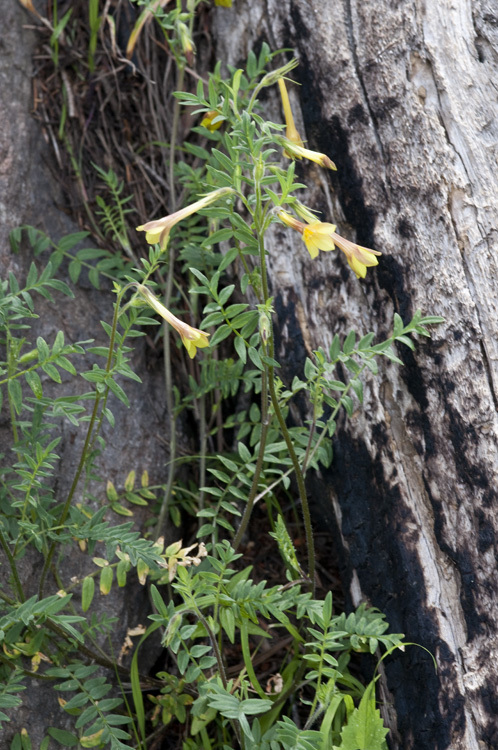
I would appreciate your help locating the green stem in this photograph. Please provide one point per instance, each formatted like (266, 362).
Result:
(259, 222)
(26, 672)
(246, 653)
(174, 135)
(221, 666)
(11, 366)
(300, 482)
(203, 449)
(259, 463)
(168, 376)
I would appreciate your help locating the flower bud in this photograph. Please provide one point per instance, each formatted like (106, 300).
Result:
(264, 327)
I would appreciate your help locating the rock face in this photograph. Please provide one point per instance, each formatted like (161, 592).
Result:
(402, 97)
(29, 194)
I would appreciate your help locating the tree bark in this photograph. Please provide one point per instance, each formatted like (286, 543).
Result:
(402, 96)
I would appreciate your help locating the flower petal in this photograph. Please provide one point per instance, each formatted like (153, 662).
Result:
(319, 236)
(298, 152)
(359, 258)
(192, 338)
(158, 230)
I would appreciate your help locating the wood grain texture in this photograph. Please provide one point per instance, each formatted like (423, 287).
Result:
(403, 97)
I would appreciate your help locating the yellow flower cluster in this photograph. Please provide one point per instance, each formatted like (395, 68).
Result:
(158, 232)
(318, 235)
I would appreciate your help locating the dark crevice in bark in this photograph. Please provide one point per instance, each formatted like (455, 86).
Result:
(488, 697)
(292, 344)
(385, 556)
(302, 32)
(333, 138)
(391, 276)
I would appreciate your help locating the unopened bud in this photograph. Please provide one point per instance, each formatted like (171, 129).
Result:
(264, 327)
(259, 171)
(270, 78)
(186, 42)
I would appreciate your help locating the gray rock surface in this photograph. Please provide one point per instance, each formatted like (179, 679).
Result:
(29, 194)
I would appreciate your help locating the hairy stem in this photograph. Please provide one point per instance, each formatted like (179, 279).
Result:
(259, 463)
(259, 221)
(168, 375)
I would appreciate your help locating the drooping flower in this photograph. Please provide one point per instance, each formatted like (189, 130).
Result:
(291, 132)
(223, 3)
(293, 143)
(359, 258)
(320, 235)
(158, 230)
(192, 338)
(293, 151)
(144, 17)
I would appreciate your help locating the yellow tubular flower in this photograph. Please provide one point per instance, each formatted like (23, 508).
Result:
(192, 338)
(359, 258)
(293, 144)
(316, 236)
(293, 151)
(223, 3)
(291, 132)
(158, 230)
(320, 235)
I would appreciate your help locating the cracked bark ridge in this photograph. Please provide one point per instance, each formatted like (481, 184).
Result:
(402, 96)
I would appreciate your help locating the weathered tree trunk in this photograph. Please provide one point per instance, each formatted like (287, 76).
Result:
(402, 96)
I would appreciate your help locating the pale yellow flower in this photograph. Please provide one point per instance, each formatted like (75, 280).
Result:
(291, 132)
(158, 230)
(293, 143)
(224, 3)
(319, 235)
(192, 338)
(299, 152)
(359, 258)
